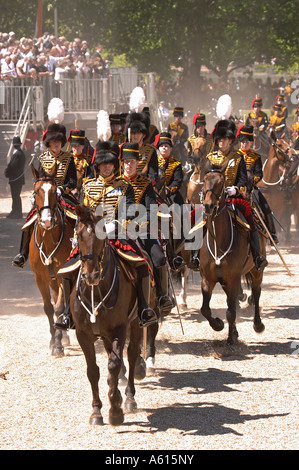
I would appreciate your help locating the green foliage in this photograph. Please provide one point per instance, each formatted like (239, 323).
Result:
(159, 34)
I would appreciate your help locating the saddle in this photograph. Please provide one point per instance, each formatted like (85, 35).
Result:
(131, 256)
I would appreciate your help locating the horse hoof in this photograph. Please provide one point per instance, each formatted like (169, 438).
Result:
(259, 328)
(96, 421)
(130, 406)
(116, 419)
(217, 324)
(57, 351)
(150, 366)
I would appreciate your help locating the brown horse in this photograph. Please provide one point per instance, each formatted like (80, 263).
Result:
(104, 304)
(278, 188)
(50, 246)
(225, 256)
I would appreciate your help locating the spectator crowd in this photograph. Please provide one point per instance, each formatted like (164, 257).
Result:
(48, 55)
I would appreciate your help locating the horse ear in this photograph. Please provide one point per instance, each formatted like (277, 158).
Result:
(35, 172)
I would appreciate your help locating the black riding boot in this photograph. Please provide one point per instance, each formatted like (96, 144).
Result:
(22, 257)
(146, 315)
(259, 259)
(165, 302)
(271, 227)
(65, 320)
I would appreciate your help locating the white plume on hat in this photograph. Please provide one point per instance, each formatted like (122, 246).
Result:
(224, 107)
(103, 126)
(137, 100)
(56, 111)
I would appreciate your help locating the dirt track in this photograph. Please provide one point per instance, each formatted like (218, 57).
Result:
(204, 395)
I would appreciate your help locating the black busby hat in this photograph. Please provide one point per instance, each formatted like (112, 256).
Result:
(55, 131)
(138, 122)
(129, 150)
(76, 136)
(106, 152)
(245, 133)
(224, 128)
(115, 119)
(178, 111)
(199, 120)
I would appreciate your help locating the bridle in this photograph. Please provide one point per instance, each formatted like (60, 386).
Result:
(217, 195)
(53, 209)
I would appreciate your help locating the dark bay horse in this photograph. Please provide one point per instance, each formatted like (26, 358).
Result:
(104, 304)
(277, 186)
(225, 257)
(50, 246)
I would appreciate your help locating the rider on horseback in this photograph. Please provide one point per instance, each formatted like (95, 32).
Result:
(66, 180)
(173, 182)
(235, 182)
(253, 163)
(111, 193)
(145, 195)
(199, 122)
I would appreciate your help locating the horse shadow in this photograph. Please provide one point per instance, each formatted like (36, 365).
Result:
(200, 418)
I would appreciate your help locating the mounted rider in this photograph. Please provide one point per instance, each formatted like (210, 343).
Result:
(199, 122)
(66, 180)
(235, 183)
(114, 195)
(137, 131)
(116, 129)
(172, 168)
(179, 133)
(254, 168)
(145, 195)
(82, 154)
(152, 131)
(256, 113)
(277, 121)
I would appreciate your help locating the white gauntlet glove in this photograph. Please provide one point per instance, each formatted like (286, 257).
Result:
(231, 190)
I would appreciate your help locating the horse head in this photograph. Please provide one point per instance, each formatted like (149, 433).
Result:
(91, 245)
(281, 149)
(45, 196)
(213, 189)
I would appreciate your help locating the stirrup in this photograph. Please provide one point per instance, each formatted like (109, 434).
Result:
(147, 317)
(66, 323)
(177, 263)
(194, 263)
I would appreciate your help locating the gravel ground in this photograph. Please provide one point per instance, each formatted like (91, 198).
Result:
(204, 395)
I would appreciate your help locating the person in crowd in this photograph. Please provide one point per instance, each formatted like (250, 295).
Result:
(15, 174)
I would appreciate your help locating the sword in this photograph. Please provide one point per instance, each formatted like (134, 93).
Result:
(256, 211)
(279, 223)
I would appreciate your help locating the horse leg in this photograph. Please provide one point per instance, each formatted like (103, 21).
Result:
(56, 335)
(93, 374)
(151, 350)
(232, 291)
(207, 289)
(133, 353)
(115, 348)
(256, 282)
(182, 300)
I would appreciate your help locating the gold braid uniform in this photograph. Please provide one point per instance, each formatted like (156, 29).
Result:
(234, 161)
(82, 163)
(275, 121)
(253, 163)
(107, 192)
(181, 129)
(145, 155)
(173, 171)
(48, 160)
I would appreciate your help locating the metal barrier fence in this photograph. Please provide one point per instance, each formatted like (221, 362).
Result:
(78, 94)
